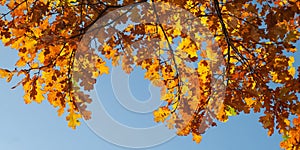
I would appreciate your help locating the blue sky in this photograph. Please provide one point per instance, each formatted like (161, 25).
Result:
(37, 126)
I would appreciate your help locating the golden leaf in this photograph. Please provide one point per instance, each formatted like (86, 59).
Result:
(161, 114)
(197, 138)
(4, 73)
(72, 119)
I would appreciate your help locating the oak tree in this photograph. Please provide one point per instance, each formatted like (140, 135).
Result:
(239, 51)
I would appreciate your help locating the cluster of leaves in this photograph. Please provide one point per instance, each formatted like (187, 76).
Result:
(252, 37)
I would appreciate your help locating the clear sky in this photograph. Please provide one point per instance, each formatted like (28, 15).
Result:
(37, 126)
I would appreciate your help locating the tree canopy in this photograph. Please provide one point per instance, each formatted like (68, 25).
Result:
(211, 59)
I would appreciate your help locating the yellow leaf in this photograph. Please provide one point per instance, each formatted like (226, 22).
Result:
(8, 79)
(11, 4)
(37, 32)
(287, 122)
(21, 62)
(150, 29)
(275, 77)
(253, 85)
(203, 8)
(221, 114)
(17, 43)
(4, 73)
(291, 60)
(72, 119)
(41, 57)
(175, 105)
(52, 98)
(176, 32)
(29, 44)
(292, 71)
(102, 68)
(39, 96)
(35, 65)
(152, 73)
(167, 96)
(249, 101)
(192, 51)
(27, 98)
(197, 138)
(233, 60)
(203, 70)
(5, 40)
(161, 114)
(187, 46)
(60, 111)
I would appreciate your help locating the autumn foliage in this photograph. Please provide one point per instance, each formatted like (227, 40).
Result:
(249, 52)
